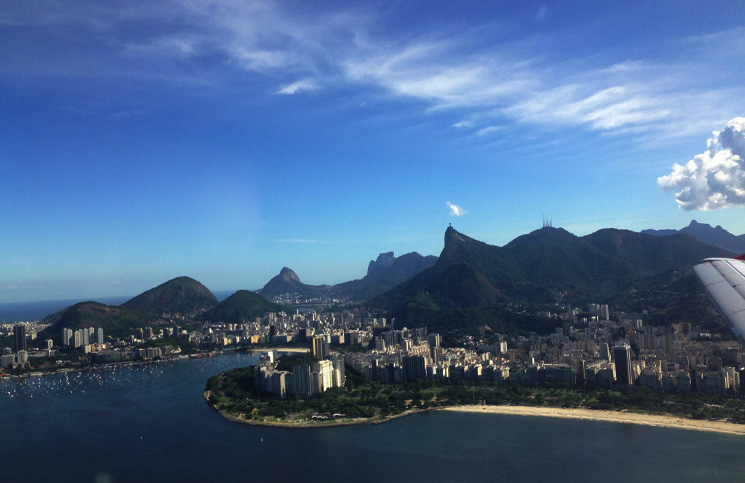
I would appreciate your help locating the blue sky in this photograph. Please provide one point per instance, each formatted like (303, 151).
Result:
(223, 140)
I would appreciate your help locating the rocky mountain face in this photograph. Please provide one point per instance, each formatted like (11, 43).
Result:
(382, 275)
(384, 260)
(287, 281)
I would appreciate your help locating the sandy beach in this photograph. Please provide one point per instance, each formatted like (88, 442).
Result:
(609, 416)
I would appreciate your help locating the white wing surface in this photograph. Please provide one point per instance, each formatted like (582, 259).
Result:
(724, 282)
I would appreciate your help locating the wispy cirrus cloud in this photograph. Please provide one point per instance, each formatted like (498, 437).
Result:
(485, 131)
(297, 86)
(489, 82)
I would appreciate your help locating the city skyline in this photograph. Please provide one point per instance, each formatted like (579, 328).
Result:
(225, 140)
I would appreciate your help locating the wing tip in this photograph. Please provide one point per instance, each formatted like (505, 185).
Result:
(741, 257)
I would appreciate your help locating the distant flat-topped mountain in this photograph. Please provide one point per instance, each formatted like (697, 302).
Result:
(537, 268)
(288, 282)
(182, 294)
(703, 232)
(383, 274)
(384, 260)
(241, 306)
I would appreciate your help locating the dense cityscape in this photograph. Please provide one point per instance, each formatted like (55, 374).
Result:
(589, 346)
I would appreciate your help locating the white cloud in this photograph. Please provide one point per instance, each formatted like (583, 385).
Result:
(455, 210)
(462, 124)
(437, 72)
(488, 130)
(716, 178)
(297, 86)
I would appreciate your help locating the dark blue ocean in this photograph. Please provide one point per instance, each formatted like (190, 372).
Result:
(151, 424)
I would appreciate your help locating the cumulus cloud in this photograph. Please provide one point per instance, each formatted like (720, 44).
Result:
(295, 87)
(716, 178)
(456, 210)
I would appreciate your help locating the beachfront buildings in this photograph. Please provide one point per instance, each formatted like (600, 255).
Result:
(303, 380)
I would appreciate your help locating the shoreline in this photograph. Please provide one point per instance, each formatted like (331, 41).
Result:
(305, 424)
(657, 420)
(663, 421)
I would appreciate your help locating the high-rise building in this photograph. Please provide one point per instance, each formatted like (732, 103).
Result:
(624, 374)
(66, 336)
(19, 337)
(78, 339)
(317, 348)
(325, 371)
(414, 368)
(339, 373)
(604, 351)
(301, 380)
(99, 335)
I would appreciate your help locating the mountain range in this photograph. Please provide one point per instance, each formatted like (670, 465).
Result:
(470, 284)
(472, 279)
(182, 295)
(382, 275)
(703, 232)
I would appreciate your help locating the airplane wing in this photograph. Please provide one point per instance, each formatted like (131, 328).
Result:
(724, 282)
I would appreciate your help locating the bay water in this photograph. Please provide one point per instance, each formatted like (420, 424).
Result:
(150, 423)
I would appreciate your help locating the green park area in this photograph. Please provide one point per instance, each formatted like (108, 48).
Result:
(233, 394)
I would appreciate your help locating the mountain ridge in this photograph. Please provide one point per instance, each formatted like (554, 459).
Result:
(705, 233)
(543, 266)
(383, 274)
(540, 267)
(242, 305)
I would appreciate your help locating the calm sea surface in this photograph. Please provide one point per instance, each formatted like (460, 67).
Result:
(151, 423)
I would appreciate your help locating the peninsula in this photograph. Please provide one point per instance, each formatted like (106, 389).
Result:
(235, 396)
